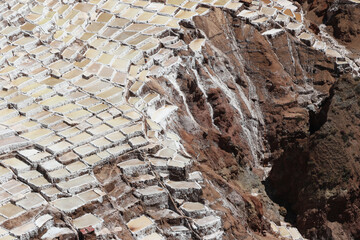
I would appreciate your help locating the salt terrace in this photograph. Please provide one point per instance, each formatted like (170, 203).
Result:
(74, 97)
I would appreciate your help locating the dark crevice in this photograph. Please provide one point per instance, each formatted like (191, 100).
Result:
(318, 119)
(285, 206)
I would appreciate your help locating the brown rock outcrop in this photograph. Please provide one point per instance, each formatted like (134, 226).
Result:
(246, 98)
(325, 189)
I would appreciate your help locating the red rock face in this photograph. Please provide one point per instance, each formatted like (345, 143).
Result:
(248, 102)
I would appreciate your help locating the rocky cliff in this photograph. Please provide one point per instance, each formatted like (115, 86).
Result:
(321, 184)
(211, 119)
(251, 104)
